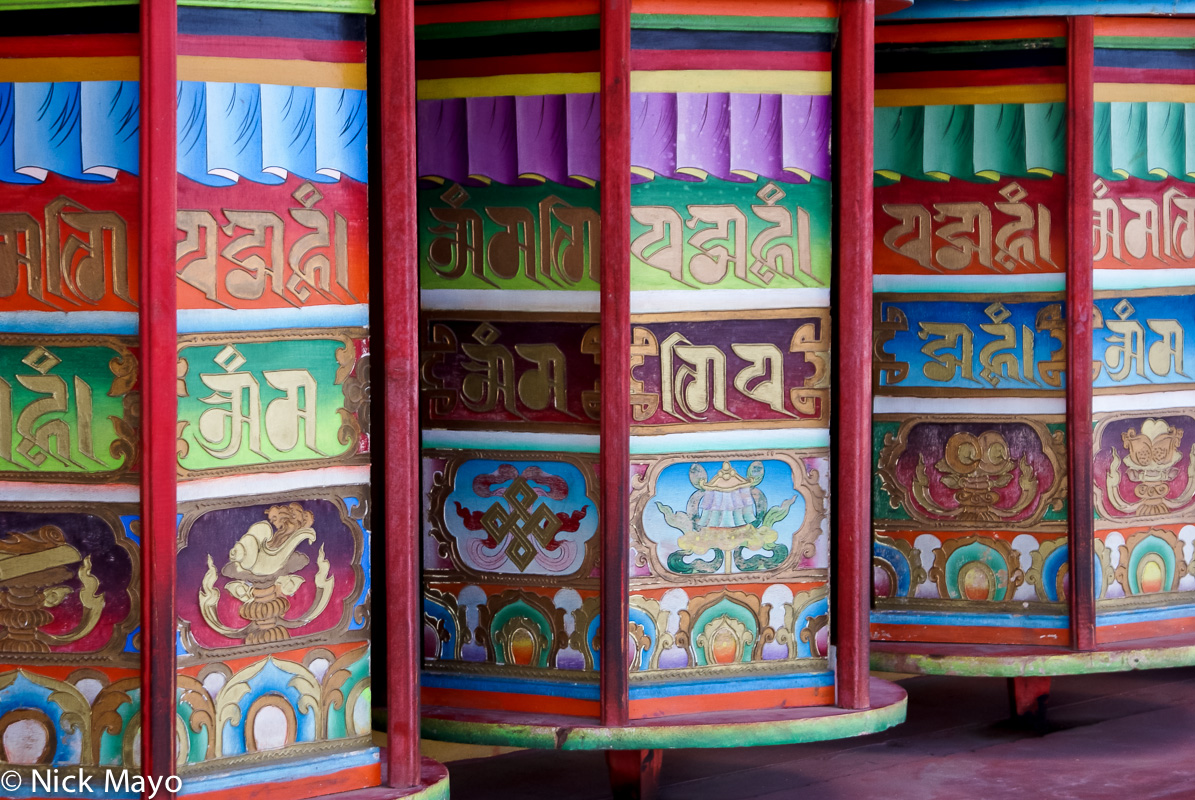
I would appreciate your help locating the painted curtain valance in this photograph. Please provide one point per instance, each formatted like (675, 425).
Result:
(730, 136)
(85, 131)
(675, 135)
(971, 142)
(1145, 140)
(226, 131)
(263, 133)
(507, 139)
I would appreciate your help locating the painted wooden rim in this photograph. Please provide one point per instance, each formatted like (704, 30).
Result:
(1023, 662)
(741, 729)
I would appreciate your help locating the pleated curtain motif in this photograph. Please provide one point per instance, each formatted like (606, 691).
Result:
(970, 142)
(226, 131)
(1145, 140)
(688, 136)
(85, 131)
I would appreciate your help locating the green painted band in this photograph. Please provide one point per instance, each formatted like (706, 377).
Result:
(1138, 43)
(333, 6)
(698, 22)
(465, 30)
(1026, 666)
(437, 791)
(667, 737)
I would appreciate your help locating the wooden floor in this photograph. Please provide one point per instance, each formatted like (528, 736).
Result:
(1128, 736)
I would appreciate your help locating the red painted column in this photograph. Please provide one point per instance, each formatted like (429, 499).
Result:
(855, 91)
(615, 463)
(1080, 107)
(159, 405)
(400, 297)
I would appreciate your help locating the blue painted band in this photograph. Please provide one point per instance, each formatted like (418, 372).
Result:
(474, 683)
(324, 764)
(733, 685)
(1052, 622)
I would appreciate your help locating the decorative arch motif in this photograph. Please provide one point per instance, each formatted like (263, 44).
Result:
(976, 568)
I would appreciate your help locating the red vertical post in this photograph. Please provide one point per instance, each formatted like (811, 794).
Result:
(616, 348)
(400, 297)
(159, 405)
(856, 114)
(1080, 110)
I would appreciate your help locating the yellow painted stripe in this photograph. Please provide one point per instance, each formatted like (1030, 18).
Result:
(1144, 92)
(972, 95)
(509, 85)
(281, 72)
(760, 81)
(37, 70)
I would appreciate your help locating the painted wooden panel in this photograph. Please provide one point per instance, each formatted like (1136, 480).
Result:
(730, 340)
(508, 159)
(70, 586)
(273, 387)
(1142, 281)
(970, 494)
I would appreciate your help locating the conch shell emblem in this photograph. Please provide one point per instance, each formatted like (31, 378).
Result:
(262, 569)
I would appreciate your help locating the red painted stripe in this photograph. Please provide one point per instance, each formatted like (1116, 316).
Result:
(1128, 631)
(159, 404)
(968, 634)
(509, 65)
(504, 701)
(615, 463)
(852, 453)
(400, 389)
(1080, 170)
(504, 9)
(977, 31)
(971, 77)
(80, 46)
(270, 47)
(733, 701)
(1180, 77)
(343, 781)
(728, 59)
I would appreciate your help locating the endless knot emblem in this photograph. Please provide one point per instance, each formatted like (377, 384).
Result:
(521, 523)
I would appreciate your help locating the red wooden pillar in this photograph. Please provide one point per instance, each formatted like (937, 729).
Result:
(852, 506)
(1080, 95)
(616, 344)
(159, 406)
(400, 295)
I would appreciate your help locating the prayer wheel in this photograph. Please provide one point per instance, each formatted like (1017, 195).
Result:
(1031, 226)
(187, 535)
(645, 465)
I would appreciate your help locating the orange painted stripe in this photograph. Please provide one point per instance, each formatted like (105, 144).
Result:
(968, 634)
(503, 9)
(1164, 27)
(235, 664)
(978, 31)
(503, 701)
(738, 8)
(361, 777)
(733, 701)
(1150, 629)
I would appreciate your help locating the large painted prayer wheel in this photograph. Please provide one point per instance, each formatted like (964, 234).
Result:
(627, 375)
(186, 525)
(1032, 228)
